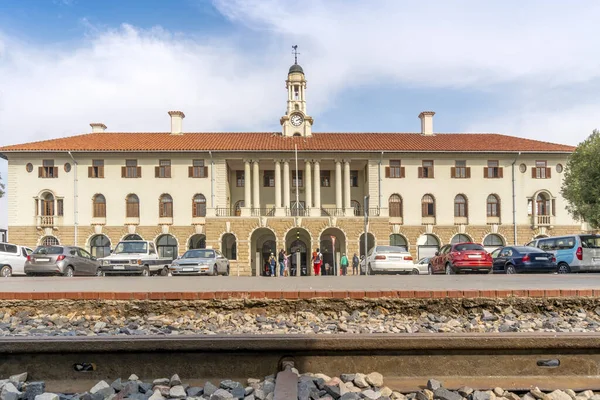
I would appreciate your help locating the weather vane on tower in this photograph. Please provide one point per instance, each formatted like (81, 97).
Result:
(295, 53)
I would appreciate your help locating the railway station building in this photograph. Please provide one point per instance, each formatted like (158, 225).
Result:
(248, 194)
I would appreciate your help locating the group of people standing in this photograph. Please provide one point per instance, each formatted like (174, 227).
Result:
(283, 261)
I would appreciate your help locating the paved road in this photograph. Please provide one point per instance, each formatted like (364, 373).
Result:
(212, 284)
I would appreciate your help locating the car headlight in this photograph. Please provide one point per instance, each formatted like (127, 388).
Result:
(175, 264)
(105, 262)
(139, 262)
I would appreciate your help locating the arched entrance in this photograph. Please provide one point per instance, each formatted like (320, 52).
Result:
(167, 246)
(460, 238)
(397, 239)
(326, 246)
(298, 244)
(262, 244)
(492, 242)
(100, 246)
(370, 243)
(197, 241)
(229, 246)
(427, 245)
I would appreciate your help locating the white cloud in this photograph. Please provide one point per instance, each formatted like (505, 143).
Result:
(129, 78)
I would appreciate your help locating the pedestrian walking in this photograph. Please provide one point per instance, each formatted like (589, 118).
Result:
(286, 262)
(355, 262)
(281, 259)
(272, 264)
(317, 260)
(344, 264)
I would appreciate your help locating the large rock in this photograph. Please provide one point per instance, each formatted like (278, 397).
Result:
(133, 377)
(559, 395)
(47, 396)
(221, 394)
(33, 389)
(370, 394)
(479, 395)
(194, 391)
(375, 379)
(175, 381)
(587, 394)
(434, 384)
(350, 396)
(498, 391)
(268, 387)
(209, 389)
(10, 392)
(488, 316)
(465, 391)
(102, 389)
(177, 392)
(117, 385)
(18, 378)
(360, 381)
(156, 396)
(161, 382)
(538, 394)
(386, 391)
(347, 377)
(445, 394)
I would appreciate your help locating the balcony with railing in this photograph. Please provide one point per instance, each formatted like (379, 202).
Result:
(544, 220)
(332, 212)
(263, 212)
(48, 221)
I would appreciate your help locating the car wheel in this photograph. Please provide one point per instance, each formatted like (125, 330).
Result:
(69, 272)
(146, 271)
(430, 269)
(563, 268)
(510, 269)
(99, 272)
(414, 272)
(226, 271)
(164, 271)
(215, 271)
(449, 269)
(6, 271)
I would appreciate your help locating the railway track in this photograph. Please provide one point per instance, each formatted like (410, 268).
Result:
(512, 361)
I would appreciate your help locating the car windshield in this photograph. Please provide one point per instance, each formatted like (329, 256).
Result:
(199, 254)
(590, 242)
(526, 249)
(390, 249)
(468, 247)
(48, 250)
(423, 261)
(131, 247)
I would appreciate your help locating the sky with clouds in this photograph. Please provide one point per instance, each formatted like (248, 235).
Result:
(528, 69)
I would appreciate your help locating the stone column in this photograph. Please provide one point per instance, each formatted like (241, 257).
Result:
(308, 186)
(347, 210)
(317, 193)
(256, 186)
(338, 184)
(278, 210)
(247, 190)
(286, 184)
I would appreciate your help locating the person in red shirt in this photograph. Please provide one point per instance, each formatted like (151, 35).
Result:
(317, 260)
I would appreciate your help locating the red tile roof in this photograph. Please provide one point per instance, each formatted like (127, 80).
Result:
(273, 141)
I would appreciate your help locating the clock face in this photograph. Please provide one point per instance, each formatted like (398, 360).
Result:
(296, 119)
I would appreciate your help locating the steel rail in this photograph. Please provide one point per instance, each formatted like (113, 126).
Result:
(515, 361)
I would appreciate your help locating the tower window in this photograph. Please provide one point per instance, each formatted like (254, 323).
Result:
(296, 92)
(296, 107)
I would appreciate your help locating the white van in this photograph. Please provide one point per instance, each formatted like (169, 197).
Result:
(12, 259)
(574, 253)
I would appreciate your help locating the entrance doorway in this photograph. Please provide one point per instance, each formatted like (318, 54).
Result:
(297, 243)
(262, 244)
(331, 257)
(427, 246)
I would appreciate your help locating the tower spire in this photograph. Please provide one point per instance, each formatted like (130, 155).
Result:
(295, 53)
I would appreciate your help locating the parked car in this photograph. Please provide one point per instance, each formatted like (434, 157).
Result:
(12, 259)
(135, 257)
(461, 257)
(516, 259)
(574, 253)
(200, 262)
(61, 260)
(388, 259)
(423, 265)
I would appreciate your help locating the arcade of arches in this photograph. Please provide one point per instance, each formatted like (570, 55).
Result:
(248, 244)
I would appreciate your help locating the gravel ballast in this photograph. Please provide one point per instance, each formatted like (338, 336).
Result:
(101, 318)
(352, 386)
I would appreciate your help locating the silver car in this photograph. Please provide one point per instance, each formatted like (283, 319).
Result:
(423, 265)
(12, 259)
(61, 260)
(200, 262)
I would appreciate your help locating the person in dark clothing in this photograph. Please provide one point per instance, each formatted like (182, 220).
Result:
(281, 259)
(355, 262)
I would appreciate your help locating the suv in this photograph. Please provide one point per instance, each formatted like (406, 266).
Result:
(453, 258)
(61, 260)
(12, 259)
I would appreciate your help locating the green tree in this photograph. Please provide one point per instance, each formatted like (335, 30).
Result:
(581, 185)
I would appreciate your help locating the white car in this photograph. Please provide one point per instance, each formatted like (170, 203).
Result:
(12, 259)
(389, 259)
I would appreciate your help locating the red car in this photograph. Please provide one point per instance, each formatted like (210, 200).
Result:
(460, 257)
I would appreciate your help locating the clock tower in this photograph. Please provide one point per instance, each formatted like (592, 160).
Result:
(296, 122)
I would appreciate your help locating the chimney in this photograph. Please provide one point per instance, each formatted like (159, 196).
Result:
(97, 127)
(427, 123)
(176, 122)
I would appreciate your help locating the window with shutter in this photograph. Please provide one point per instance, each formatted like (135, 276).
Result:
(164, 169)
(131, 169)
(199, 170)
(426, 170)
(395, 169)
(428, 206)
